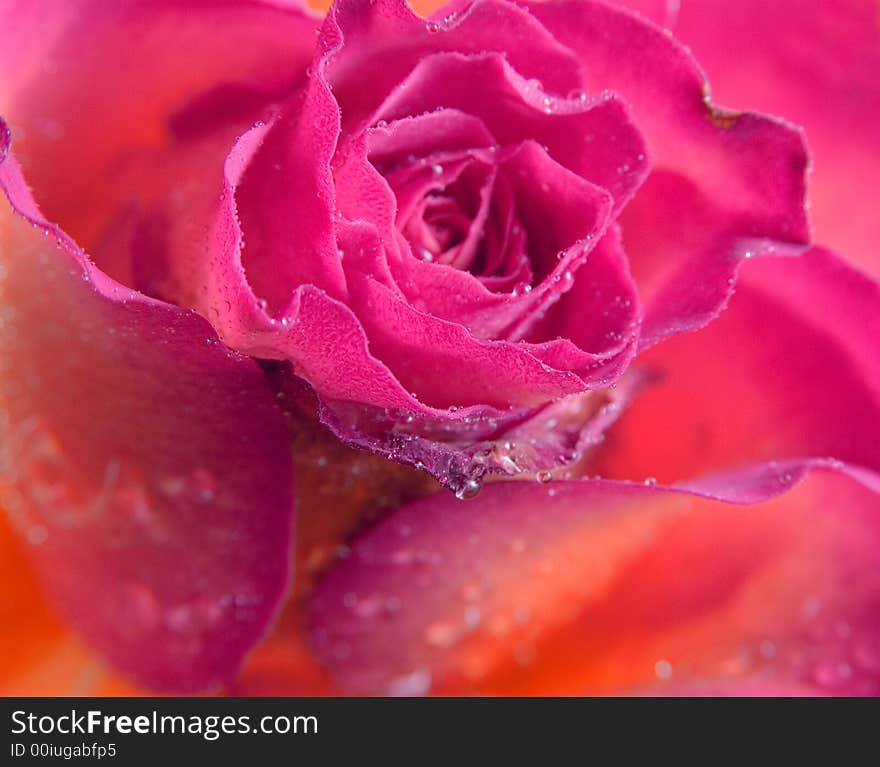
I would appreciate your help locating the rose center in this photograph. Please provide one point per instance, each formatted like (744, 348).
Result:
(460, 212)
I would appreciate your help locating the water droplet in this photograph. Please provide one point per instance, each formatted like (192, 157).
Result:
(471, 592)
(443, 633)
(663, 669)
(369, 607)
(866, 655)
(468, 489)
(37, 535)
(199, 486)
(517, 545)
(767, 649)
(472, 616)
(810, 608)
(179, 618)
(831, 674)
(139, 605)
(524, 653)
(403, 557)
(414, 684)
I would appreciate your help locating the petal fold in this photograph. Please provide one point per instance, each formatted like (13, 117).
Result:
(147, 466)
(747, 171)
(790, 369)
(819, 70)
(586, 587)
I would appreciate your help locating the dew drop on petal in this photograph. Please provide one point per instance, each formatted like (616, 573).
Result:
(663, 669)
(410, 685)
(468, 489)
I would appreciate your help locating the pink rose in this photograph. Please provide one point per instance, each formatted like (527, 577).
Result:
(479, 245)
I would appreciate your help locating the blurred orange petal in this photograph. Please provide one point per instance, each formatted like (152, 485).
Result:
(37, 654)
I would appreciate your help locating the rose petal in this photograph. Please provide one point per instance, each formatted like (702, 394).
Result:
(593, 137)
(362, 401)
(790, 369)
(746, 170)
(426, 134)
(124, 112)
(595, 323)
(818, 69)
(662, 12)
(283, 664)
(385, 40)
(423, 351)
(148, 466)
(562, 217)
(582, 587)
(286, 202)
(726, 688)
(30, 630)
(39, 654)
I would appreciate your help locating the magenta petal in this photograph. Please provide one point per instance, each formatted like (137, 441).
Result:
(662, 12)
(382, 41)
(444, 365)
(594, 137)
(125, 110)
(362, 400)
(286, 202)
(819, 70)
(790, 368)
(148, 466)
(562, 216)
(453, 595)
(595, 323)
(747, 170)
(460, 447)
(426, 134)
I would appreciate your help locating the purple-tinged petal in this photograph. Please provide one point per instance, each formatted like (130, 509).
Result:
(581, 587)
(146, 464)
(385, 40)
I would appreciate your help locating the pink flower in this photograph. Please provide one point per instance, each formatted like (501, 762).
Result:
(479, 245)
